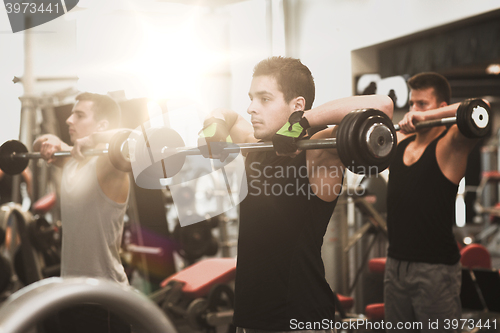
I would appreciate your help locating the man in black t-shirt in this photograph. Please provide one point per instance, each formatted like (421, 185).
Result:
(280, 279)
(423, 273)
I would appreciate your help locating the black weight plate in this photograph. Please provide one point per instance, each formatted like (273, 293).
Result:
(358, 151)
(342, 140)
(2, 236)
(41, 234)
(195, 240)
(194, 314)
(8, 164)
(115, 155)
(19, 266)
(5, 273)
(213, 248)
(470, 109)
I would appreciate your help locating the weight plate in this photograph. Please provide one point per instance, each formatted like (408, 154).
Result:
(343, 148)
(195, 240)
(359, 153)
(3, 234)
(474, 118)
(378, 140)
(19, 266)
(41, 234)
(5, 273)
(194, 314)
(8, 164)
(366, 139)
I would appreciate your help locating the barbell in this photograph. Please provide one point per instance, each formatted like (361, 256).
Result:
(14, 156)
(366, 140)
(160, 152)
(472, 118)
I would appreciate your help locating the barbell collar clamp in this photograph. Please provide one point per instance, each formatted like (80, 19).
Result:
(379, 140)
(480, 117)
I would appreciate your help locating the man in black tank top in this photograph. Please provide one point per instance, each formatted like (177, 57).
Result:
(423, 273)
(280, 279)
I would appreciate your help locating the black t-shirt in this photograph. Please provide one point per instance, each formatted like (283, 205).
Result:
(280, 274)
(421, 209)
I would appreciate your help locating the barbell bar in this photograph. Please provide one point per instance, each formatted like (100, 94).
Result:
(472, 118)
(90, 152)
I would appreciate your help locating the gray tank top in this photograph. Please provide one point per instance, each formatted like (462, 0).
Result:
(92, 225)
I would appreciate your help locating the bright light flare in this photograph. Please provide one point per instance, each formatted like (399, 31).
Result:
(147, 55)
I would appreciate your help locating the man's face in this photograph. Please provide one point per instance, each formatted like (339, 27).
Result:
(424, 99)
(268, 108)
(81, 122)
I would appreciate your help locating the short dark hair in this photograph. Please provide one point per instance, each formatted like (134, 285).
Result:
(104, 107)
(294, 78)
(426, 80)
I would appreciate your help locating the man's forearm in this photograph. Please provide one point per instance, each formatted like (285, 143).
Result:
(239, 129)
(443, 112)
(334, 111)
(229, 116)
(37, 144)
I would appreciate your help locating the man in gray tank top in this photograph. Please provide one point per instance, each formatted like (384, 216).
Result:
(94, 197)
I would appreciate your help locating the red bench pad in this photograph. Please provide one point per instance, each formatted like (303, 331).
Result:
(345, 301)
(45, 203)
(201, 276)
(375, 311)
(377, 265)
(475, 256)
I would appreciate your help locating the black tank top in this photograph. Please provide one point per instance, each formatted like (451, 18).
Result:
(280, 274)
(421, 209)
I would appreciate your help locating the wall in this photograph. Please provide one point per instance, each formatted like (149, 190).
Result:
(330, 30)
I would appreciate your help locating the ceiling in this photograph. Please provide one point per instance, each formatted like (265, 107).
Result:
(208, 3)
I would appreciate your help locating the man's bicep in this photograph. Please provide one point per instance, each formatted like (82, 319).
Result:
(455, 141)
(452, 152)
(325, 174)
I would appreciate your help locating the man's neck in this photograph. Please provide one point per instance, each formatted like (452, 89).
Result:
(427, 136)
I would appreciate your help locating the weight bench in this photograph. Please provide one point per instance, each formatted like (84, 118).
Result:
(200, 294)
(45, 203)
(376, 311)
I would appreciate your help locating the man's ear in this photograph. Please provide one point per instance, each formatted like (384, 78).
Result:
(442, 104)
(102, 125)
(299, 103)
